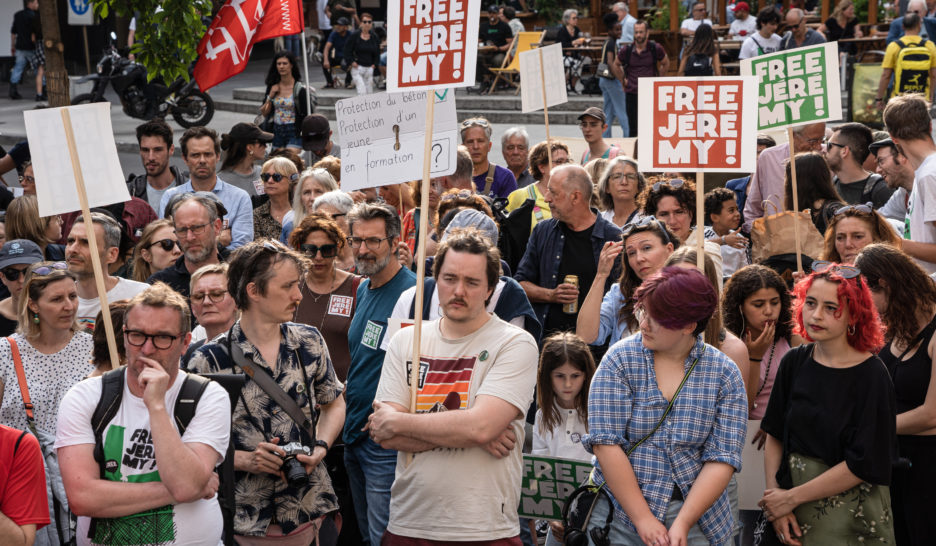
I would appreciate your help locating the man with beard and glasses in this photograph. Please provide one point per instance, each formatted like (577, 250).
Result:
(898, 174)
(197, 224)
(155, 140)
(375, 238)
(845, 152)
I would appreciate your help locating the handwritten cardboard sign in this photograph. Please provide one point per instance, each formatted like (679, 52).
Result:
(702, 125)
(797, 86)
(97, 153)
(383, 137)
(547, 482)
(532, 78)
(431, 43)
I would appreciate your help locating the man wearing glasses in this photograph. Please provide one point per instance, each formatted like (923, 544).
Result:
(375, 237)
(197, 222)
(798, 34)
(846, 151)
(696, 19)
(152, 484)
(898, 174)
(767, 181)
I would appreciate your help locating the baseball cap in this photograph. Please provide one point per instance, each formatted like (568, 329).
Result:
(248, 132)
(19, 251)
(493, 8)
(741, 6)
(343, 21)
(596, 113)
(315, 132)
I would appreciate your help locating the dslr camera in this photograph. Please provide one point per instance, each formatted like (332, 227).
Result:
(294, 470)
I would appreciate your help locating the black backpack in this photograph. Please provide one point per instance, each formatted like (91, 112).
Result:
(699, 64)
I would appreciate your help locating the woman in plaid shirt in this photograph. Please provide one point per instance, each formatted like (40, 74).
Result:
(666, 473)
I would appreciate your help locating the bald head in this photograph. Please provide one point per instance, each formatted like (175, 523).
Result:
(573, 178)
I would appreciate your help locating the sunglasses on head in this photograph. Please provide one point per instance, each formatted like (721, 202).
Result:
(844, 271)
(470, 122)
(277, 177)
(630, 227)
(328, 251)
(462, 194)
(675, 183)
(867, 208)
(46, 269)
(166, 244)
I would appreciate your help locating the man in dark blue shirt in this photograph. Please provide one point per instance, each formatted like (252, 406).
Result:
(333, 54)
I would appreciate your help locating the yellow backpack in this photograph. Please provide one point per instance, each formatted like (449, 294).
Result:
(911, 71)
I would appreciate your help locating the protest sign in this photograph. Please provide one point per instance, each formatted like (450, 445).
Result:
(547, 482)
(704, 125)
(383, 138)
(533, 78)
(797, 86)
(100, 166)
(431, 43)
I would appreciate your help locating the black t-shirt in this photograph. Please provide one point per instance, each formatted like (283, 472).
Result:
(837, 414)
(496, 34)
(7, 326)
(577, 259)
(361, 51)
(25, 24)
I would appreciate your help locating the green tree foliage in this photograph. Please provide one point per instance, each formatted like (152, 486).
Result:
(166, 42)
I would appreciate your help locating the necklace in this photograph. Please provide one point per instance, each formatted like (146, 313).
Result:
(767, 373)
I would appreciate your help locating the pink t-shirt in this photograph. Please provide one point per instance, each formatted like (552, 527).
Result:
(768, 371)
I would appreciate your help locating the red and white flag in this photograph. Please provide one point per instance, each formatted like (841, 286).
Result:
(224, 50)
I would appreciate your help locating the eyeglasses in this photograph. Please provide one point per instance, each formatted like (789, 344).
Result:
(844, 271)
(461, 194)
(46, 269)
(277, 177)
(30, 179)
(372, 243)
(328, 251)
(675, 183)
(631, 177)
(630, 227)
(12, 274)
(471, 122)
(216, 296)
(160, 341)
(166, 244)
(867, 208)
(814, 141)
(881, 157)
(366, 21)
(196, 230)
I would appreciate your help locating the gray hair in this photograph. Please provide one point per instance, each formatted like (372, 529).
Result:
(604, 198)
(567, 15)
(373, 211)
(336, 198)
(477, 121)
(619, 5)
(209, 203)
(110, 226)
(515, 132)
(323, 177)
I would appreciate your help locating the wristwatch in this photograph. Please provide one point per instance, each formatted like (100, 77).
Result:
(322, 443)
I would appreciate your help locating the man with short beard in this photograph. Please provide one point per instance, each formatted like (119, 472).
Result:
(197, 224)
(155, 141)
(375, 238)
(898, 174)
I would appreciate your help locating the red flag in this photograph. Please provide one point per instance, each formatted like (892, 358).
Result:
(224, 50)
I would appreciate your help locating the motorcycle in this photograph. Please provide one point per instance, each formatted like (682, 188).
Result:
(140, 99)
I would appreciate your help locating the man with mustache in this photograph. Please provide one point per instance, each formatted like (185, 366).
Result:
(375, 239)
(155, 140)
(467, 432)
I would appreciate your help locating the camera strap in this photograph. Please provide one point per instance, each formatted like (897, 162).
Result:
(271, 387)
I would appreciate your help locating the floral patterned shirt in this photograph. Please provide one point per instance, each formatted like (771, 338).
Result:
(262, 499)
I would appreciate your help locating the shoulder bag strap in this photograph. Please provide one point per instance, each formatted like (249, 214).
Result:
(24, 388)
(489, 179)
(269, 386)
(537, 211)
(669, 407)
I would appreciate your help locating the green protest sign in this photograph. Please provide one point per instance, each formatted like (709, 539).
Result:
(797, 86)
(547, 482)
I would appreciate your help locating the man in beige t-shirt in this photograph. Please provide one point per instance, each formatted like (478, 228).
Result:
(476, 381)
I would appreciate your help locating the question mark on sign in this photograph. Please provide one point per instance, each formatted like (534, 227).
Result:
(396, 135)
(435, 159)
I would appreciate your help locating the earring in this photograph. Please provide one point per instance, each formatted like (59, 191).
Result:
(851, 330)
(36, 318)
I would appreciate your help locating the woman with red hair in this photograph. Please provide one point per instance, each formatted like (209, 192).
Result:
(831, 419)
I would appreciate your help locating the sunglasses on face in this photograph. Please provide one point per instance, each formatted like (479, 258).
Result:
(166, 244)
(277, 177)
(867, 208)
(12, 274)
(328, 251)
(844, 271)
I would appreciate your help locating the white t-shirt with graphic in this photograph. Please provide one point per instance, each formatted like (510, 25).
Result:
(123, 290)
(130, 456)
(460, 494)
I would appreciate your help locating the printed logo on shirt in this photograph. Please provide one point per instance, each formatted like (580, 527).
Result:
(371, 337)
(444, 383)
(340, 305)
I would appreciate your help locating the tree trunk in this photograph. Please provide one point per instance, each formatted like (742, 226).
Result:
(55, 73)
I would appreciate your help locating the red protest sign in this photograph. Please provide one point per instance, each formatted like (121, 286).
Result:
(704, 125)
(431, 43)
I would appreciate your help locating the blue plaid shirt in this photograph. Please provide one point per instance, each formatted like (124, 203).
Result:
(707, 423)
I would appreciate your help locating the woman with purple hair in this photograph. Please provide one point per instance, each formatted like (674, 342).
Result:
(666, 418)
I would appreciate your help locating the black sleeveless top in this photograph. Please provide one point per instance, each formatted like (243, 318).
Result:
(912, 376)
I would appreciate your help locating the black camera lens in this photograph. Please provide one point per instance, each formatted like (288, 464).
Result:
(295, 472)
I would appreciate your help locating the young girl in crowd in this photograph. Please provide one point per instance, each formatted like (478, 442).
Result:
(831, 420)
(757, 308)
(905, 297)
(565, 371)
